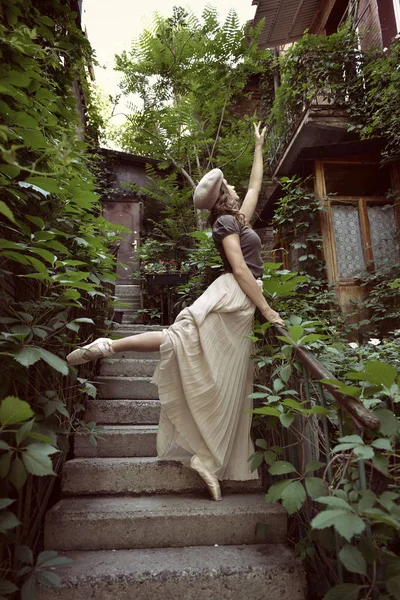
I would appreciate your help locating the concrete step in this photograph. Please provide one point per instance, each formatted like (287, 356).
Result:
(122, 367)
(140, 355)
(258, 572)
(132, 412)
(126, 387)
(144, 475)
(124, 329)
(127, 290)
(162, 521)
(119, 440)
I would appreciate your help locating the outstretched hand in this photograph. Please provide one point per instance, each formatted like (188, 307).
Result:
(259, 136)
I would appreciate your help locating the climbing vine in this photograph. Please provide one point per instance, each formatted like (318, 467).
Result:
(55, 272)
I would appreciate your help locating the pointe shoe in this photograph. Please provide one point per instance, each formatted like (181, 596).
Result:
(210, 479)
(98, 349)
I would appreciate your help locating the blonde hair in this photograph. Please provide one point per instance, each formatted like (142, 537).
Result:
(226, 205)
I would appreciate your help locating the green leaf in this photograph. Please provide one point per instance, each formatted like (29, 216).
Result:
(8, 521)
(313, 465)
(382, 444)
(36, 459)
(281, 467)
(382, 373)
(381, 463)
(24, 555)
(286, 419)
(45, 254)
(356, 439)
(17, 475)
(315, 487)
(327, 518)
(4, 502)
(376, 514)
(353, 560)
(28, 590)
(276, 489)
(5, 462)
(349, 525)
(261, 443)
(54, 361)
(296, 332)
(334, 502)
(266, 410)
(365, 452)
(49, 578)
(7, 587)
(45, 556)
(4, 210)
(278, 385)
(27, 356)
(256, 460)
(367, 500)
(84, 320)
(285, 373)
(389, 424)
(269, 457)
(293, 497)
(45, 560)
(45, 183)
(343, 591)
(14, 410)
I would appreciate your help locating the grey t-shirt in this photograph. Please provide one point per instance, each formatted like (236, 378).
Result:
(250, 243)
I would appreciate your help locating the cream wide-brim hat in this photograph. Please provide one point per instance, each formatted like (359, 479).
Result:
(207, 190)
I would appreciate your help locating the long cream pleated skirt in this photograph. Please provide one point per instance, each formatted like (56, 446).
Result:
(204, 379)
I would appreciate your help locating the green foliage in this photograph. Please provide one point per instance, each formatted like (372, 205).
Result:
(315, 70)
(331, 70)
(189, 74)
(54, 265)
(350, 493)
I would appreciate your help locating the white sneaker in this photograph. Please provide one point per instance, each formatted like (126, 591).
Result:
(98, 349)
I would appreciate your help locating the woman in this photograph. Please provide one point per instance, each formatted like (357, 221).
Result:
(204, 376)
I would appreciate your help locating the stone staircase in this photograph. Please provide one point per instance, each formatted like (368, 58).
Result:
(139, 529)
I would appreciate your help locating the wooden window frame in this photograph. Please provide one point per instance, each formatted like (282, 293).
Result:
(327, 229)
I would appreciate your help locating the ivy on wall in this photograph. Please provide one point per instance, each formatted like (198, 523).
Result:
(55, 269)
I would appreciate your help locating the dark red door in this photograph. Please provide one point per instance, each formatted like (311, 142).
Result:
(127, 214)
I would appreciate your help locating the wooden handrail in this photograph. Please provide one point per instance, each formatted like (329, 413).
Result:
(363, 418)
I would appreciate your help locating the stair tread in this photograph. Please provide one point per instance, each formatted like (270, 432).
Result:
(103, 378)
(153, 562)
(98, 508)
(137, 429)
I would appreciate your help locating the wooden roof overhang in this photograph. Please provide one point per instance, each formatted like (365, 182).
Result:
(285, 20)
(341, 150)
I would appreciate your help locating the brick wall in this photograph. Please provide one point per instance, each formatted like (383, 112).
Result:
(369, 25)
(267, 240)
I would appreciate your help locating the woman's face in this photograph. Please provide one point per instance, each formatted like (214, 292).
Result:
(231, 190)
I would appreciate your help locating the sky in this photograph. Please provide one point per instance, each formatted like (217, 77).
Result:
(112, 26)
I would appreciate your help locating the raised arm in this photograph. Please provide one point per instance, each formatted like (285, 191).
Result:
(250, 201)
(245, 279)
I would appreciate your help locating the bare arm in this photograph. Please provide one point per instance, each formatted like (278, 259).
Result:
(250, 201)
(245, 278)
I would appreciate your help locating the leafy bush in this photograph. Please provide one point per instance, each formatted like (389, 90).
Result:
(56, 272)
(339, 482)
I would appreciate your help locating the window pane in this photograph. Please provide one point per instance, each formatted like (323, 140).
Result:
(382, 222)
(348, 241)
(356, 179)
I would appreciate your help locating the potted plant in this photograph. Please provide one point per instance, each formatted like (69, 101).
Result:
(166, 272)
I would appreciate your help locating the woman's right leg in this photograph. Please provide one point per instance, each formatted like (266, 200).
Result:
(104, 347)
